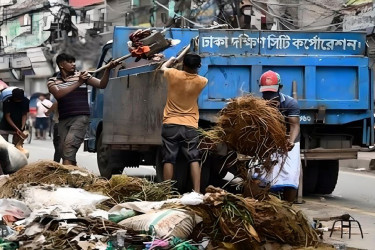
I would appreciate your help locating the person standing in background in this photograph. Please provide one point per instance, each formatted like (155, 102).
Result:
(41, 121)
(53, 110)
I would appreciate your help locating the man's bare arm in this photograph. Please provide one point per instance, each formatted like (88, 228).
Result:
(168, 63)
(59, 92)
(11, 123)
(103, 82)
(294, 128)
(24, 118)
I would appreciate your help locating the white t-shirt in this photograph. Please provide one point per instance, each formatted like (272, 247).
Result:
(40, 110)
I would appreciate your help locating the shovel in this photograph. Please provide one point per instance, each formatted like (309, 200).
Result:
(157, 43)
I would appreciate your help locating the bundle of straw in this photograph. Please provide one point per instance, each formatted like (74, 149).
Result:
(122, 188)
(253, 127)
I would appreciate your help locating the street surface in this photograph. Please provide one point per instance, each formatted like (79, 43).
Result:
(354, 194)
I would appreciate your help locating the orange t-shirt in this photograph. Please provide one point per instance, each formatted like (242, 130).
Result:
(182, 99)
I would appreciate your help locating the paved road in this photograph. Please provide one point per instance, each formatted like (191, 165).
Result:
(354, 194)
(41, 150)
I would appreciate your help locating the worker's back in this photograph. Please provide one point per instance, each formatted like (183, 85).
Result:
(183, 91)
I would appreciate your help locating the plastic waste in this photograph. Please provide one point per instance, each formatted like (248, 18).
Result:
(121, 215)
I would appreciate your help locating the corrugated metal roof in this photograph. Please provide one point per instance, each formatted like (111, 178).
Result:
(22, 7)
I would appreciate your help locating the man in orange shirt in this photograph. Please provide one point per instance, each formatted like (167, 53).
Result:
(181, 115)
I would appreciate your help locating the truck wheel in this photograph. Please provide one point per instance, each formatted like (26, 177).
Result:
(310, 176)
(327, 179)
(109, 161)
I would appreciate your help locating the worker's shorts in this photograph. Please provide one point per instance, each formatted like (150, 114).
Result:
(72, 131)
(179, 137)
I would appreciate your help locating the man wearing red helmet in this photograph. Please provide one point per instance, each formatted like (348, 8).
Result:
(288, 178)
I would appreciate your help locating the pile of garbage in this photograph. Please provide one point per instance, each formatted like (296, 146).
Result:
(51, 206)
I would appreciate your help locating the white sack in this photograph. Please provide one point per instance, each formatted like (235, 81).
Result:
(165, 223)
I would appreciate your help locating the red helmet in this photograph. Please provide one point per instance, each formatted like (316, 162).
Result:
(269, 81)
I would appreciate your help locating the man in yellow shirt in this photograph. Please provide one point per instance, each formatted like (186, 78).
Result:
(181, 115)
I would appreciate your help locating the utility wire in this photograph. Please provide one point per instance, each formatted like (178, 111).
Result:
(286, 22)
(272, 14)
(192, 22)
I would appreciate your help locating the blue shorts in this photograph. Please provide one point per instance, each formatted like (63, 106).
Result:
(41, 123)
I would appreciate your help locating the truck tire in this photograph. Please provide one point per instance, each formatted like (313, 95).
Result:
(109, 161)
(327, 179)
(310, 176)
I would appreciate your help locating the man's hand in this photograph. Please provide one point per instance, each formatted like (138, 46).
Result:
(21, 134)
(83, 77)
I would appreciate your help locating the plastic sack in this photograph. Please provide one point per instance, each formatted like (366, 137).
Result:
(121, 215)
(14, 208)
(164, 223)
(16, 158)
(75, 198)
(192, 198)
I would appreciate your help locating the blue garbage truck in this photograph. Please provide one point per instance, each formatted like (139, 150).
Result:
(327, 72)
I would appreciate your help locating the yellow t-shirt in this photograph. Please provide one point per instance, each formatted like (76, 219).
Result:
(182, 99)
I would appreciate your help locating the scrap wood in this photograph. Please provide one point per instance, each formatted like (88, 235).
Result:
(233, 218)
(250, 126)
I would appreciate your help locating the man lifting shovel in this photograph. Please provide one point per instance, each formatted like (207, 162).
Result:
(69, 87)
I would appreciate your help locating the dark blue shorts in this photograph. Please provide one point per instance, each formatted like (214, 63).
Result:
(180, 137)
(41, 123)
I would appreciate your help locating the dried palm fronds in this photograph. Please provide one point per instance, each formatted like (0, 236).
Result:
(251, 126)
(233, 218)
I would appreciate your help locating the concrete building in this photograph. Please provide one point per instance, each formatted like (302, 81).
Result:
(33, 32)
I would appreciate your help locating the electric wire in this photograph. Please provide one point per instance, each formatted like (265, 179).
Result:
(190, 21)
(286, 22)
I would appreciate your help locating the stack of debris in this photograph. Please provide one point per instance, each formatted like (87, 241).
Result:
(50, 206)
